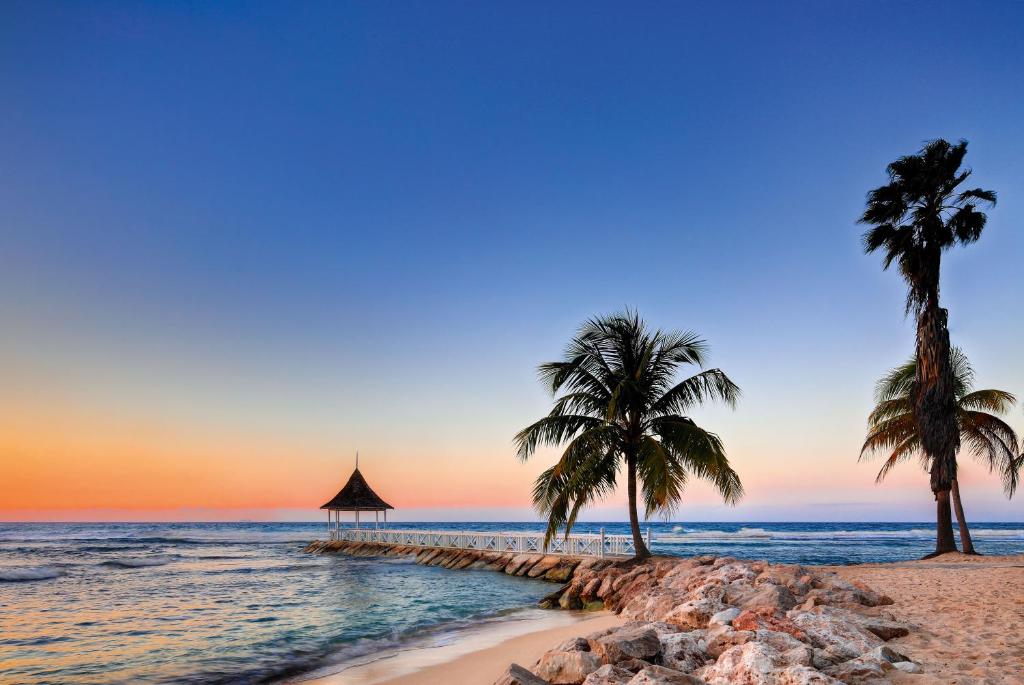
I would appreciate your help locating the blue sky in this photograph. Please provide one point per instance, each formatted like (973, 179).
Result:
(333, 226)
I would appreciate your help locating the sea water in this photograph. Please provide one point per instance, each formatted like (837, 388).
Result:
(242, 603)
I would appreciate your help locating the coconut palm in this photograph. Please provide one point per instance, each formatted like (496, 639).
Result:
(617, 404)
(892, 428)
(918, 215)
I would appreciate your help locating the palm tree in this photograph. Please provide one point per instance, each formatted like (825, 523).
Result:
(917, 216)
(617, 404)
(892, 428)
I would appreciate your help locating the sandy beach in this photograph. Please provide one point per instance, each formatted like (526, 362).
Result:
(478, 659)
(967, 615)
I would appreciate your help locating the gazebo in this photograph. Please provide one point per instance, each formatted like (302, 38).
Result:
(357, 496)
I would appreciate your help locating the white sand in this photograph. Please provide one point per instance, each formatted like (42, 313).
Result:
(967, 613)
(478, 659)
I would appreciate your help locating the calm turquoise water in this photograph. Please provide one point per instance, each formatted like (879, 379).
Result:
(241, 603)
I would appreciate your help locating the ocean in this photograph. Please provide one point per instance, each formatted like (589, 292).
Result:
(241, 603)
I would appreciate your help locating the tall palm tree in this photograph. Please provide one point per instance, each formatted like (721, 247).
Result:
(617, 403)
(918, 215)
(892, 428)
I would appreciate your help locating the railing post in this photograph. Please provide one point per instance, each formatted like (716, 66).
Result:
(601, 552)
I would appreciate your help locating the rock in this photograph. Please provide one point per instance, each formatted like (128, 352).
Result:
(724, 617)
(517, 562)
(634, 665)
(609, 675)
(576, 644)
(683, 651)
(566, 668)
(696, 613)
(769, 620)
(659, 675)
(803, 675)
(858, 670)
(633, 642)
(722, 638)
(543, 566)
(570, 600)
(517, 675)
(886, 653)
(840, 637)
(883, 627)
(765, 596)
(561, 573)
(750, 664)
(907, 666)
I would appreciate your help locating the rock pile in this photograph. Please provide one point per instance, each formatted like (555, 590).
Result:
(550, 567)
(719, 621)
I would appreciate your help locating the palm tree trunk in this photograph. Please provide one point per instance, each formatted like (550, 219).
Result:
(965, 534)
(634, 521)
(935, 413)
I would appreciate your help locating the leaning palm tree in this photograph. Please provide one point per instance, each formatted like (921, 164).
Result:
(918, 215)
(892, 428)
(618, 404)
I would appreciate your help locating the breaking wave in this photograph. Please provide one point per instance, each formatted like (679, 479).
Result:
(20, 575)
(138, 562)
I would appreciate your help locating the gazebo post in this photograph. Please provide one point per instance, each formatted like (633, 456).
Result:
(357, 517)
(385, 518)
(376, 520)
(328, 523)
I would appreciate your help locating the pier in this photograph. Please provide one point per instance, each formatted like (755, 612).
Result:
(598, 545)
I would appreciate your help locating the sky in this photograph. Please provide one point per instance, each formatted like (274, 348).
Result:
(241, 241)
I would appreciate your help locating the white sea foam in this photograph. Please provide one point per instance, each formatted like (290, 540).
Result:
(17, 575)
(681, 536)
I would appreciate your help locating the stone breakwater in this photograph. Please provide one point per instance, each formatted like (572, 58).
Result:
(722, 621)
(550, 567)
(716, 621)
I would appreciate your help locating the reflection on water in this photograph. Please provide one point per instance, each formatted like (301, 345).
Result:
(241, 603)
(195, 604)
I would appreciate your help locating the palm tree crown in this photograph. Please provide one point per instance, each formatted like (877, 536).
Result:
(920, 213)
(618, 404)
(893, 429)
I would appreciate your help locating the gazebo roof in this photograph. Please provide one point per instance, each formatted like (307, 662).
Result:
(357, 494)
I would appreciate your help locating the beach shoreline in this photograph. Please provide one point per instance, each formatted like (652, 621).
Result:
(478, 657)
(964, 611)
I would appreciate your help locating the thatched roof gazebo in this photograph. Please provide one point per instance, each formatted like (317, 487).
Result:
(356, 496)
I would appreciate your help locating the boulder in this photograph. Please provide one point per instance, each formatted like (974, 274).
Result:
(842, 638)
(724, 617)
(517, 675)
(609, 675)
(631, 642)
(576, 644)
(907, 666)
(803, 675)
(566, 668)
(659, 675)
(884, 628)
(752, 663)
(543, 566)
(517, 562)
(767, 619)
(560, 573)
(683, 651)
(721, 638)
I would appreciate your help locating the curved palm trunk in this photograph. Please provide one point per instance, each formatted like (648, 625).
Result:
(935, 413)
(965, 534)
(634, 521)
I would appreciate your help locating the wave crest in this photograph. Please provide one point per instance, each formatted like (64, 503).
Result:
(21, 575)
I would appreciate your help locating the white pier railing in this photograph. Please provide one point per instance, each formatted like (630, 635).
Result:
(582, 545)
